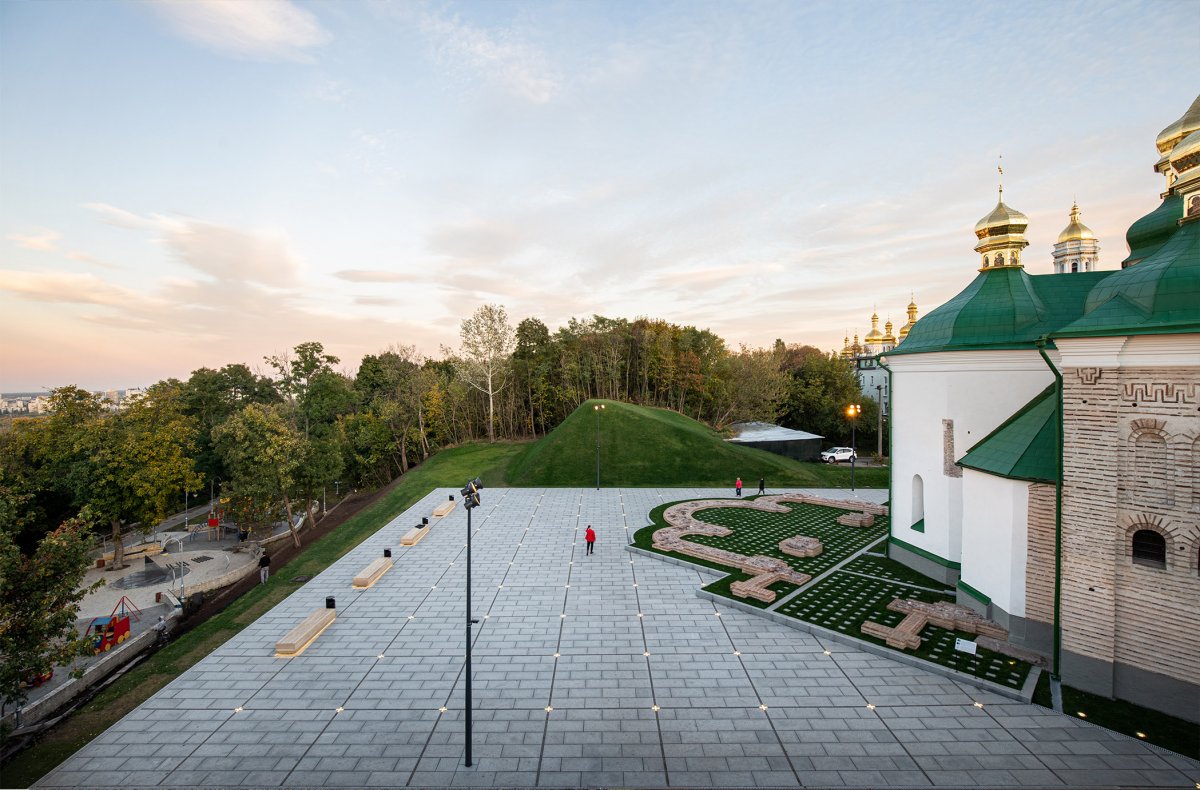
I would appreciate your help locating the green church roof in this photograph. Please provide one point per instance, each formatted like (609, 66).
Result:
(1002, 308)
(1025, 446)
(1161, 294)
(1146, 236)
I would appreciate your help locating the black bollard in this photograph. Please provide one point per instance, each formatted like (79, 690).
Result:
(330, 603)
(387, 552)
(425, 520)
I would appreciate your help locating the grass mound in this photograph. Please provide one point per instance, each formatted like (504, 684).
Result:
(641, 446)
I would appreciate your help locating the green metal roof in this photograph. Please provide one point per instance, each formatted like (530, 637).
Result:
(1002, 308)
(1008, 308)
(1025, 446)
(1146, 236)
(1160, 294)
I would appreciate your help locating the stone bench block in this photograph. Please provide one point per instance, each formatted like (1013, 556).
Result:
(444, 508)
(414, 536)
(305, 633)
(370, 574)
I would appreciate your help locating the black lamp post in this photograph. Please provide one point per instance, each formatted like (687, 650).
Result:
(470, 494)
(599, 408)
(852, 412)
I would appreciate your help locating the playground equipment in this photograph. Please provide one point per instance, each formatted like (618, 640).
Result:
(106, 632)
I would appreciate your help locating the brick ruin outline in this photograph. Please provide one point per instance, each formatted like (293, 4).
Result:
(764, 571)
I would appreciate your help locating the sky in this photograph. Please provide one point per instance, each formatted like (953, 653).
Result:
(188, 184)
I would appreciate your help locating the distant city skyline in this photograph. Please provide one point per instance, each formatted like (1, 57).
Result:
(205, 183)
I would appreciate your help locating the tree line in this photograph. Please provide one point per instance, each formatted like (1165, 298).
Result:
(270, 440)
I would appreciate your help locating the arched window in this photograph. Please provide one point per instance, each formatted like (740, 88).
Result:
(1074, 266)
(1152, 469)
(1149, 548)
(918, 503)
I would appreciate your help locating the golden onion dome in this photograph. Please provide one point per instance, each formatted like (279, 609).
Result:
(1076, 230)
(874, 335)
(1186, 153)
(1188, 123)
(1003, 219)
(888, 337)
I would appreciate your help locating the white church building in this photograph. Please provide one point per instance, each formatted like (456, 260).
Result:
(1046, 444)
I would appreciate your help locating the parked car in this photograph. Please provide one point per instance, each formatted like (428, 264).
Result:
(835, 454)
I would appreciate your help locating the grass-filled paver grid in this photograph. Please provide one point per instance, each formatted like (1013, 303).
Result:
(890, 570)
(844, 601)
(759, 532)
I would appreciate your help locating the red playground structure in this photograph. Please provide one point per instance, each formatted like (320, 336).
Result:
(114, 629)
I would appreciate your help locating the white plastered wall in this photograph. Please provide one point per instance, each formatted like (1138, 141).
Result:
(978, 390)
(995, 538)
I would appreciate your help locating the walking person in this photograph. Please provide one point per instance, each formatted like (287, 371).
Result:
(590, 537)
(738, 486)
(264, 567)
(762, 485)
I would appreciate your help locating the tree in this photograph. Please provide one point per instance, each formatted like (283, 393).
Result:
(212, 396)
(821, 387)
(263, 453)
(483, 361)
(39, 603)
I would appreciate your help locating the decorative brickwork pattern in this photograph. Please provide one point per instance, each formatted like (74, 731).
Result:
(1161, 392)
(1088, 375)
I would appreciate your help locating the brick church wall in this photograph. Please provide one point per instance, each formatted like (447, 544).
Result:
(1130, 436)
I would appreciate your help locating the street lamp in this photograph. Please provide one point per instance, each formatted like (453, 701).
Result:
(879, 426)
(185, 508)
(852, 412)
(470, 494)
(598, 409)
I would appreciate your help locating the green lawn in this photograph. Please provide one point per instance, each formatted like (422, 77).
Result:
(641, 446)
(1125, 717)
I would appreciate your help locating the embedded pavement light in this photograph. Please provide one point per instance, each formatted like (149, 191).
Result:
(588, 671)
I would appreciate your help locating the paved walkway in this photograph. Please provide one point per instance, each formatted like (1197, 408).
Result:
(377, 699)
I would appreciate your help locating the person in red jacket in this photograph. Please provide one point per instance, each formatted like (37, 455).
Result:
(590, 537)
(738, 486)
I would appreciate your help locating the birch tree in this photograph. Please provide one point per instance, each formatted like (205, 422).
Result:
(488, 340)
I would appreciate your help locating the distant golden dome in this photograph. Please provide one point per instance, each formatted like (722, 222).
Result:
(1003, 219)
(874, 336)
(1187, 124)
(888, 337)
(1075, 230)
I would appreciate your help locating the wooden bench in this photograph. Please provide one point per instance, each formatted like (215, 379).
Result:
(305, 634)
(414, 536)
(444, 508)
(370, 574)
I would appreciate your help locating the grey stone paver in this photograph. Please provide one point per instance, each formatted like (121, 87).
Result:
(741, 701)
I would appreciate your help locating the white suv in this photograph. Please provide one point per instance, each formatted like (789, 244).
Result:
(835, 454)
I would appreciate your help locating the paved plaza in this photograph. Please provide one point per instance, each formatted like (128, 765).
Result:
(603, 670)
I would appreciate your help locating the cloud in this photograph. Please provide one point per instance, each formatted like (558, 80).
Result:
(119, 216)
(230, 254)
(476, 242)
(377, 276)
(43, 241)
(376, 301)
(74, 288)
(257, 30)
(503, 59)
(714, 278)
(83, 257)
